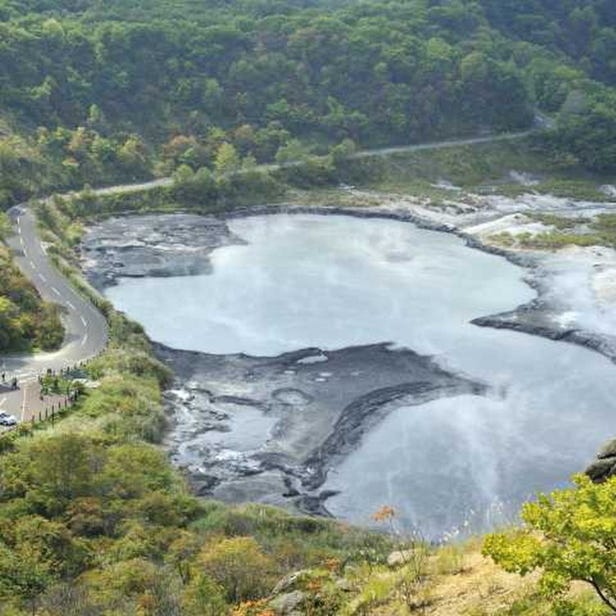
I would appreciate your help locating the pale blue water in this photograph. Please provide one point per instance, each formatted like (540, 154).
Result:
(336, 281)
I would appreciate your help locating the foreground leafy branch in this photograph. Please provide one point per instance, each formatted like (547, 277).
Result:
(570, 536)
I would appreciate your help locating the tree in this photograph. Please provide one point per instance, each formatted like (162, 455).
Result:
(198, 187)
(589, 131)
(23, 575)
(343, 150)
(293, 151)
(227, 159)
(570, 535)
(61, 468)
(203, 597)
(132, 155)
(239, 566)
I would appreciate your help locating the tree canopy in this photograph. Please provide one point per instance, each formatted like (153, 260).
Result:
(94, 94)
(569, 536)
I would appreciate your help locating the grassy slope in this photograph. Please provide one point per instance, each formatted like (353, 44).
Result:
(482, 168)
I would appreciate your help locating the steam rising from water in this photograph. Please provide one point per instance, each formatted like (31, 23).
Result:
(337, 281)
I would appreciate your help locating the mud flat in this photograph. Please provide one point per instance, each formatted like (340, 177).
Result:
(152, 245)
(306, 410)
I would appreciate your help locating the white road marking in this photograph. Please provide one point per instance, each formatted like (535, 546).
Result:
(70, 305)
(55, 290)
(21, 241)
(83, 321)
(23, 406)
(42, 277)
(2, 401)
(43, 248)
(32, 265)
(85, 339)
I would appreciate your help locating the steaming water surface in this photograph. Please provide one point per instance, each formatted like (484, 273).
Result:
(336, 281)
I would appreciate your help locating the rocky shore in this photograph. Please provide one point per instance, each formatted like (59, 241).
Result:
(152, 245)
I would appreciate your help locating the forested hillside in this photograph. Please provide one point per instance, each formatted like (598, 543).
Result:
(583, 29)
(94, 92)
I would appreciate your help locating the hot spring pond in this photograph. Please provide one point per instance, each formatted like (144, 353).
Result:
(333, 282)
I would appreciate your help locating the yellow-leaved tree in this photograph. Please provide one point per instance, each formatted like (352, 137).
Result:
(569, 535)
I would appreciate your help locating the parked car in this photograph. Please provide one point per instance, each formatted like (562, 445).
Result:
(7, 420)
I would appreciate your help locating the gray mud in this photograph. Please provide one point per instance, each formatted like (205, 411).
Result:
(152, 245)
(307, 414)
(541, 319)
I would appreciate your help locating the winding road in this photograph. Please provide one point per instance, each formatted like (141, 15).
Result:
(86, 329)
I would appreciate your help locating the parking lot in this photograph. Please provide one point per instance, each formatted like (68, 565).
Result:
(27, 402)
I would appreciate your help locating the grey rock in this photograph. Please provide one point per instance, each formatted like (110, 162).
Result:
(344, 585)
(600, 470)
(289, 581)
(604, 466)
(288, 604)
(399, 557)
(608, 450)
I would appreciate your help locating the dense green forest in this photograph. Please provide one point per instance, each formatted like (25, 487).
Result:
(94, 92)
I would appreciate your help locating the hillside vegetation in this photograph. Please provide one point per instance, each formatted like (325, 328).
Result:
(93, 93)
(94, 520)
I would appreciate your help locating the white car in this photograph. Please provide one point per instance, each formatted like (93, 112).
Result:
(7, 420)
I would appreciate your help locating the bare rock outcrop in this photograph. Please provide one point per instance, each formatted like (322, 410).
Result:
(604, 466)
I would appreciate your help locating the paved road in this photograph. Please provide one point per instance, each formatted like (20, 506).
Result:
(86, 328)
(439, 145)
(375, 153)
(127, 188)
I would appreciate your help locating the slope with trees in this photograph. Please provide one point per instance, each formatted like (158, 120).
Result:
(92, 95)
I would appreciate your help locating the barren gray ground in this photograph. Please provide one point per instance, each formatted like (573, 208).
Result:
(303, 410)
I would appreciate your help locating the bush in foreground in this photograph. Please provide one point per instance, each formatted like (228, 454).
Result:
(570, 535)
